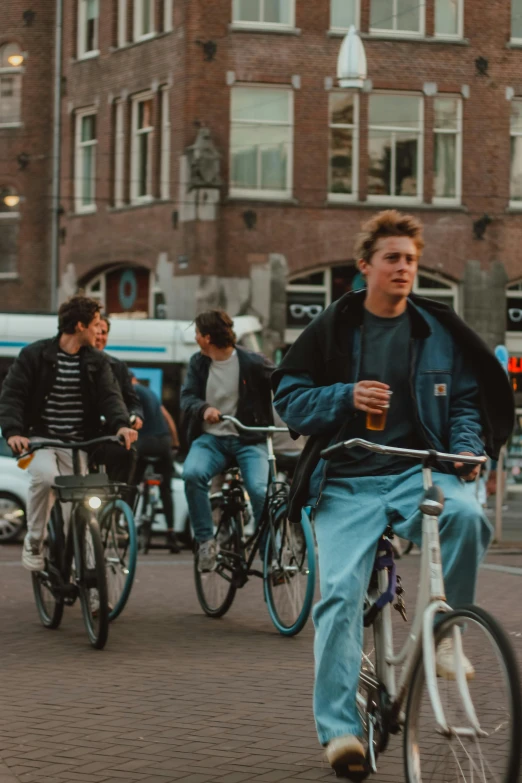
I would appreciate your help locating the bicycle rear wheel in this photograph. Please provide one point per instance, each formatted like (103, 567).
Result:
(289, 573)
(119, 539)
(216, 589)
(49, 601)
(91, 577)
(467, 756)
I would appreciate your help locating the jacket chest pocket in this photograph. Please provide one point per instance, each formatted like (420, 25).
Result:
(434, 394)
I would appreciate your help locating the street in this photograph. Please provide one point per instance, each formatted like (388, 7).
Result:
(176, 696)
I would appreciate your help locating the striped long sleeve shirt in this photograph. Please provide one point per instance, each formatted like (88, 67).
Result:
(63, 412)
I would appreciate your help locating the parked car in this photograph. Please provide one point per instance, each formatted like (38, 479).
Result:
(14, 485)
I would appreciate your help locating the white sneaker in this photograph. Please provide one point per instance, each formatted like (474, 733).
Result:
(446, 661)
(207, 554)
(32, 555)
(346, 756)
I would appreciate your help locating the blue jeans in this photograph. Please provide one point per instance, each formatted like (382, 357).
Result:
(351, 516)
(210, 455)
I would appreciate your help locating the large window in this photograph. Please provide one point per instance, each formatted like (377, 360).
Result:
(11, 60)
(263, 13)
(261, 142)
(395, 147)
(122, 22)
(404, 17)
(515, 179)
(344, 13)
(119, 154)
(143, 18)
(85, 161)
(88, 23)
(142, 145)
(447, 153)
(9, 230)
(436, 287)
(516, 20)
(343, 151)
(165, 144)
(449, 18)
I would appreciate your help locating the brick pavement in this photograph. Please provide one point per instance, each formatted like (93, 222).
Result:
(175, 696)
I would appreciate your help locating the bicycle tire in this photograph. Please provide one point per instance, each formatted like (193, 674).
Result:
(217, 580)
(91, 576)
(469, 618)
(291, 538)
(124, 554)
(48, 605)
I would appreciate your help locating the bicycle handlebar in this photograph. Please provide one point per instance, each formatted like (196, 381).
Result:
(243, 427)
(421, 454)
(59, 444)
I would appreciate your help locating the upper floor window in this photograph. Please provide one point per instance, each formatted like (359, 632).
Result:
(515, 179)
(516, 20)
(449, 18)
(85, 161)
(343, 152)
(88, 23)
(9, 230)
(261, 142)
(447, 152)
(344, 13)
(143, 18)
(395, 147)
(264, 13)
(11, 60)
(404, 17)
(141, 148)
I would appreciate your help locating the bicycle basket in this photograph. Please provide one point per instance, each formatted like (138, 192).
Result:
(77, 488)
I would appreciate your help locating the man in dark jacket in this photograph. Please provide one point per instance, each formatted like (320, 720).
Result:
(223, 379)
(57, 389)
(374, 350)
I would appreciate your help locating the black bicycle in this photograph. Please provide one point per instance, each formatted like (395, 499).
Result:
(287, 550)
(75, 564)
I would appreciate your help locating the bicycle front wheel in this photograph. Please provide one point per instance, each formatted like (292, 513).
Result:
(119, 539)
(289, 573)
(91, 578)
(216, 589)
(488, 752)
(47, 595)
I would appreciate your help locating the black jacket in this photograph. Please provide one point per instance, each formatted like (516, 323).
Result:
(130, 398)
(255, 395)
(324, 352)
(31, 378)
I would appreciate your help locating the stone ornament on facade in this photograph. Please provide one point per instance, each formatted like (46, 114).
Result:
(204, 162)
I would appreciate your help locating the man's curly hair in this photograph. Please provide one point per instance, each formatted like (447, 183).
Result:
(77, 309)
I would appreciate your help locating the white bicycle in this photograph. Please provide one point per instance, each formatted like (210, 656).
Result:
(462, 730)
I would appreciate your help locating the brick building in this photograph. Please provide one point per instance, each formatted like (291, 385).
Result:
(153, 88)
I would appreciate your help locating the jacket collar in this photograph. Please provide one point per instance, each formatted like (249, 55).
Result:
(50, 351)
(350, 312)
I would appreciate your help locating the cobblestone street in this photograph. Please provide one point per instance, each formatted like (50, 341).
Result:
(176, 696)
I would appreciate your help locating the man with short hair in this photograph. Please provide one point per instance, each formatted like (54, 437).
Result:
(383, 347)
(223, 378)
(57, 389)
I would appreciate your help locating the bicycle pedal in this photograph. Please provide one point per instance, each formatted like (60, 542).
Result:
(356, 771)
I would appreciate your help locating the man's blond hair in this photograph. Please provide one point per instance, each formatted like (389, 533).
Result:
(389, 223)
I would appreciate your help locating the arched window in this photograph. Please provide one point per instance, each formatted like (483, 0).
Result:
(11, 61)
(514, 307)
(127, 292)
(9, 229)
(436, 287)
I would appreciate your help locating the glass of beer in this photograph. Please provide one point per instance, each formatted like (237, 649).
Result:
(377, 421)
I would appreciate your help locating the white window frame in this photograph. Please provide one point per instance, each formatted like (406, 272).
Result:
(514, 203)
(441, 200)
(418, 199)
(512, 37)
(335, 29)
(460, 30)
(16, 72)
(167, 16)
(397, 33)
(78, 160)
(10, 216)
(513, 291)
(122, 23)
(83, 53)
(354, 195)
(138, 12)
(268, 195)
(165, 144)
(119, 153)
(238, 23)
(453, 293)
(291, 333)
(135, 133)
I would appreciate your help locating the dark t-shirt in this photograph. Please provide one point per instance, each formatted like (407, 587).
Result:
(154, 423)
(386, 358)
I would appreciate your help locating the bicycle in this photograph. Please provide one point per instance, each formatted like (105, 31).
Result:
(445, 739)
(287, 550)
(75, 561)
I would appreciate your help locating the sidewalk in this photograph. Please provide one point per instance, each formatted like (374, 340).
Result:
(511, 519)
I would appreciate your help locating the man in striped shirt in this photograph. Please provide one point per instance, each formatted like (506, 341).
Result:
(58, 389)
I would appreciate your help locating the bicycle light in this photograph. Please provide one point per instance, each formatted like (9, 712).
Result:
(94, 502)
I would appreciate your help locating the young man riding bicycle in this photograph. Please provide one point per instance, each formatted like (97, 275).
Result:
(58, 389)
(383, 349)
(223, 378)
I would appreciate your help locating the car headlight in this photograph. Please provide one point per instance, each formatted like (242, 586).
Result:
(94, 502)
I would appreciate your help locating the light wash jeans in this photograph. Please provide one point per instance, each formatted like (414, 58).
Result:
(210, 455)
(351, 516)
